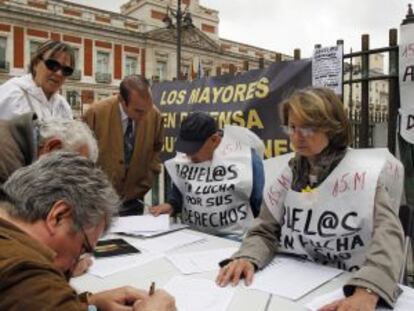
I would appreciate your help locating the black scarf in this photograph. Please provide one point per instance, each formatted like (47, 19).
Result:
(313, 173)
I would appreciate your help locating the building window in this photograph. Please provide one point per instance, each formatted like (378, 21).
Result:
(102, 62)
(3, 45)
(73, 98)
(77, 75)
(186, 72)
(130, 65)
(206, 72)
(34, 46)
(161, 71)
(77, 58)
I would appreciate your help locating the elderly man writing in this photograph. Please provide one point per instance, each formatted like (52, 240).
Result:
(217, 177)
(51, 213)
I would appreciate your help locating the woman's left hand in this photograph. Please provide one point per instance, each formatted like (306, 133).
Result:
(361, 300)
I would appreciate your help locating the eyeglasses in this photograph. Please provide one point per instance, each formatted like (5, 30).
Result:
(55, 66)
(303, 131)
(86, 246)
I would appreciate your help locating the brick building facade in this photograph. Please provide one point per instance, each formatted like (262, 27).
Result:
(110, 45)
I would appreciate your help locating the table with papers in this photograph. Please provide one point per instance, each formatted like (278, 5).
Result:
(185, 264)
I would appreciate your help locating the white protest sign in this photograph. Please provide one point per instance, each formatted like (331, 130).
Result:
(406, 62)
(327, 68)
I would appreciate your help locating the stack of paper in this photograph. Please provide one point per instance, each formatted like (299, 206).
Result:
(168, 242)
(199, 294)
(292, 278)
(150, 234)
(141, 223)
(404, 303)
(197, 262)
(108, 266)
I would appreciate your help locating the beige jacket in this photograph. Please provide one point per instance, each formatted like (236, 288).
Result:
(383, 260)
(28, 279)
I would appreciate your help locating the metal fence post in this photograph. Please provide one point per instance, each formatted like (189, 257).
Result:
(364, 126)
(394, 94)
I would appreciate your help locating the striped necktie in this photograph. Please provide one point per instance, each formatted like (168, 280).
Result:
(129, 138)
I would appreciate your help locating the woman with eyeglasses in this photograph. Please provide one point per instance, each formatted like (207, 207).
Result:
(329, 204)
(38, 90)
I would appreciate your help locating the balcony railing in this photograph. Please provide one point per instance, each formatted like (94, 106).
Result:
(76, 75)
(4, 66)
(103, 77)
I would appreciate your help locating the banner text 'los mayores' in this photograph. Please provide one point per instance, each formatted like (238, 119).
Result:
(250, 100)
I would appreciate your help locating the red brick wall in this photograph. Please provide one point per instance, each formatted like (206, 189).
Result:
(73, 39)
(55, 36)
(208, 28)
(131, 49)
(4, 27)
(157, 15)
(143, 62)
(102, 19)
(88, 57)
(37, 33)
(87, 96)
(103, 44)
(37, 4)
(72, 12)
(118, 61)
(18, 46)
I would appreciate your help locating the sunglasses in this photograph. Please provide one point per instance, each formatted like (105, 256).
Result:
(55, 66)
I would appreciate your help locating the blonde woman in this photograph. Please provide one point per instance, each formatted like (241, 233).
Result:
(330, 204)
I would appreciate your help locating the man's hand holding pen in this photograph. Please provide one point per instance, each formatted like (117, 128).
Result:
(158, 300)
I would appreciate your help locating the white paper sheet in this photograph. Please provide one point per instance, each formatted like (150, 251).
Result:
(197, 262)
(141, 223)
(168, 242)
(292, 278)
(104, 267)
(199, 294)
(150, 234)
(404, 303)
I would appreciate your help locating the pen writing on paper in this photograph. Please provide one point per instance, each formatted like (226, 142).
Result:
(152, 289)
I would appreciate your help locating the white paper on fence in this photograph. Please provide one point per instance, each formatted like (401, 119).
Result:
(149, 234)
(168, 242)
(141, 223)
(104, 267)
(199, 294)
(404, 303)
(198, 262)
(292, 278)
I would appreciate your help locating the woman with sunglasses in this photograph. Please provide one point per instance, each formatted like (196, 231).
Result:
(329, 204)
(38, 91)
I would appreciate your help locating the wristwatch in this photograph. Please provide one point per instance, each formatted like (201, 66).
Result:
(84, 297)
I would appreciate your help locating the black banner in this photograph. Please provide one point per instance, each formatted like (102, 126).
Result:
(250, 100)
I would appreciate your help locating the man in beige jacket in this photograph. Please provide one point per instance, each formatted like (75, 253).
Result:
(129, 131)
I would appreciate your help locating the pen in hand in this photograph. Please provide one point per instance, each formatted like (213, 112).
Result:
(152, 289)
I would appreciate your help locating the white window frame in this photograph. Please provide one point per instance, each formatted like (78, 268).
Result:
(134, 56)
(6, 39)
(109, 53)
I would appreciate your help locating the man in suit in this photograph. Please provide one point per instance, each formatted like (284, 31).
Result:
(129, 131)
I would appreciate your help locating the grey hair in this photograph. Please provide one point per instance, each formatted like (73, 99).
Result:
(73, 135)
(62, 176)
